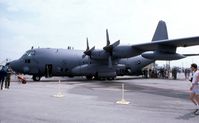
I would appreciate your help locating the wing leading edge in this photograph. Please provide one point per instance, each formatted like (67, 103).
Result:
(182, 42)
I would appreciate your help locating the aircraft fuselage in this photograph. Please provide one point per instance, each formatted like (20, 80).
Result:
(50, 62)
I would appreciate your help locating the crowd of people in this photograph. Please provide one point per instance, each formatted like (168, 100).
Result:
(160, 73)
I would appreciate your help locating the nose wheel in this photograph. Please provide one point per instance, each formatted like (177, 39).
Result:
(36, 77)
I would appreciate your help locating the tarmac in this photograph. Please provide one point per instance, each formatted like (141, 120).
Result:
(82, 101)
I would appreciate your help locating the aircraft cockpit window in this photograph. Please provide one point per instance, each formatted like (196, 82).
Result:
(29, 53)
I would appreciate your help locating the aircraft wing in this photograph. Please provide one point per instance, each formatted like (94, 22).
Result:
(182, 42)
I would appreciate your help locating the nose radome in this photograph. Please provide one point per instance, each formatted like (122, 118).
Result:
(8, 64)
(13, 64)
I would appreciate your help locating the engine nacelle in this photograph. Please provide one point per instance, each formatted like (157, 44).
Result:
(99, 55)
(125, 51)
(93, 69)
(157, 55)
(84, 70)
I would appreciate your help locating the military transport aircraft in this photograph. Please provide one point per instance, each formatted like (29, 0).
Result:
(107, 63)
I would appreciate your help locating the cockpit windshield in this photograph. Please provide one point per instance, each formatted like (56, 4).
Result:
(29, 53)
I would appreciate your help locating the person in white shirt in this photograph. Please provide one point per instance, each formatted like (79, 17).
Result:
(194, 96)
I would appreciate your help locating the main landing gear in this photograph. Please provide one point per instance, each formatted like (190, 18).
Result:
(36, 77)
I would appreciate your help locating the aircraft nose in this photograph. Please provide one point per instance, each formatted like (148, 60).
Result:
(18, 66)
(8, 64)
(13, 64)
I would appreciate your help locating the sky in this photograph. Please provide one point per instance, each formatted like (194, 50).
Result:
(63, 23)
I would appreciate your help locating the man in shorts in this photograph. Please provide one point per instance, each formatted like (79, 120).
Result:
(194, 96)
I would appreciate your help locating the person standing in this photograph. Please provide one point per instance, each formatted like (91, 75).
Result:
(194, 96)
(8, 76)
(2, 76)
(174, 73)
(1, 79)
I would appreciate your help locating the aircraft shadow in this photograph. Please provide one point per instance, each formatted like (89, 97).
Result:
(132, 87)
(116, 84)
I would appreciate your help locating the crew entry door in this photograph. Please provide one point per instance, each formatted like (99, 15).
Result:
(48, 70)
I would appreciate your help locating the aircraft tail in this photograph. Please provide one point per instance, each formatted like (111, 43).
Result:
(163, 52)
(160, 32)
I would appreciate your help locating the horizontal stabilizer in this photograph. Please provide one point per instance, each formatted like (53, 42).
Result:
(190, 55)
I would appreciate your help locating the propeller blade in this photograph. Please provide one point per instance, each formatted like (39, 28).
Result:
(115, 44)
(87, 44)
(110, 47)
(93, 48)
(84, 55)
(107, 38)
(88, 52)
(110, 62)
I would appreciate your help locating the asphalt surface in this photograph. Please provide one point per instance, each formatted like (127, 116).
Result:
(151, 101)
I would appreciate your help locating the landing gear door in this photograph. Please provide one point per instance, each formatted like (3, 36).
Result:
(48, 70)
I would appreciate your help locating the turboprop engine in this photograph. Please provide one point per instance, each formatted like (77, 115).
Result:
(158, 55)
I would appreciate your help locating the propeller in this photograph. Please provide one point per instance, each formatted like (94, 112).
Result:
(107, 38)
(87, 44)
(88, 51)
(109, 48)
